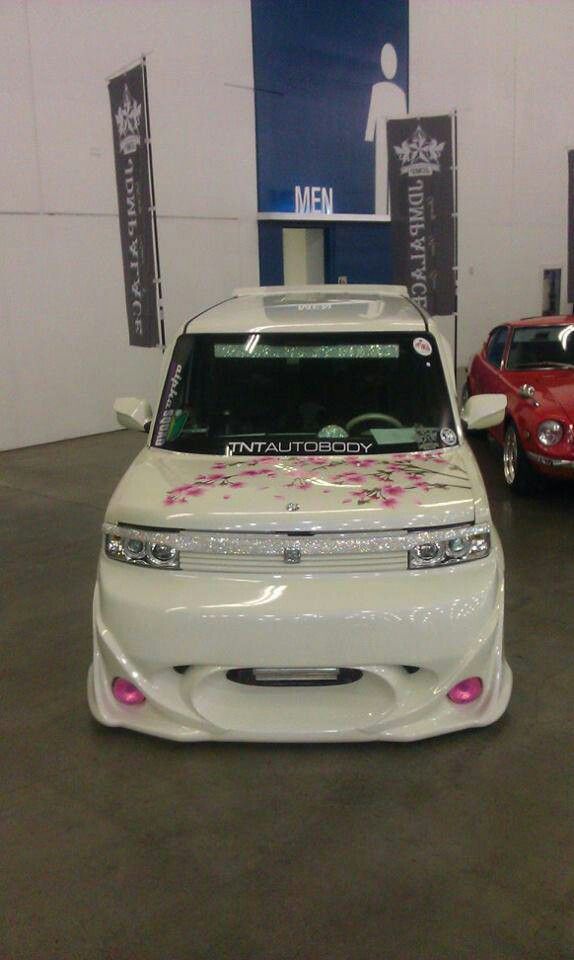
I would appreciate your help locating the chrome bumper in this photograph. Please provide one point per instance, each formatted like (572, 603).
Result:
(551, 461)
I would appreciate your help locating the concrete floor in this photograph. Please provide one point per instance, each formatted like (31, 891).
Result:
(119, 847)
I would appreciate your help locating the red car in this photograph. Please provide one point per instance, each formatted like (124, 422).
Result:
(532, 362)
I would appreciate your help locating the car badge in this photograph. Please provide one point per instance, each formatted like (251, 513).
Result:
(292, 507)
(448, 437)
(291, 555)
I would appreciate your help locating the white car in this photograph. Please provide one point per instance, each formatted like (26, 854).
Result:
(304, 548)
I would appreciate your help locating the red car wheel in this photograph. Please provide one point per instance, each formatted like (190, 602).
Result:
(518, 473)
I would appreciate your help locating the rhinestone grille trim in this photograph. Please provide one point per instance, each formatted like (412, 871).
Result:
(318, 544)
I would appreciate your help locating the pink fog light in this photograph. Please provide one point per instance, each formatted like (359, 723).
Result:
(126, 692)
(466, 691)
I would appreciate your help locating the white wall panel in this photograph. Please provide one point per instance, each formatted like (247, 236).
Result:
(67, 342)
(64, 352)
(19, 184)
(65, 349)
(201, 104)
(192, 247)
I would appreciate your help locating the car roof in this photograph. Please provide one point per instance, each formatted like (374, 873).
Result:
(327, 307)
(554, 321)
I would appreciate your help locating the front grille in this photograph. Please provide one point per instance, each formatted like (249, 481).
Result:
(283, 553)
(193, 562)
(294, 677)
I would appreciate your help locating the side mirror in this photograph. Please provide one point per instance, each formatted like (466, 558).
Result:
(484, 410)
(133, 413)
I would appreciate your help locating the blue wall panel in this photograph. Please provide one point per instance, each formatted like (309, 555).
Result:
(359, 251)
(270, 254)
(315, 64)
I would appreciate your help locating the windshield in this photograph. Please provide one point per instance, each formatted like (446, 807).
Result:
(309, 393)
(541, 347)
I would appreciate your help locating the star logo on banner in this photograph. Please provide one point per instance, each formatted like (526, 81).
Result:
(420, 155)
(128, 119)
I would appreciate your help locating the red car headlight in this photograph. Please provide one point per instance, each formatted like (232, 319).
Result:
(550, 432)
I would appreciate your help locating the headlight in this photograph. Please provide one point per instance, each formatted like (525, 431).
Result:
(143, 548)
(468, 543)
(550, 432)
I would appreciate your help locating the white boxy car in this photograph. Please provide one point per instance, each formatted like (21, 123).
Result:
(304, 549)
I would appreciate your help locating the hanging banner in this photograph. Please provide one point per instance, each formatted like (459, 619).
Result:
(421, 179)
(570, 291)
(131, 154)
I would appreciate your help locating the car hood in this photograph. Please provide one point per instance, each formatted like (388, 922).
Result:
(554, 388)
(184, 491)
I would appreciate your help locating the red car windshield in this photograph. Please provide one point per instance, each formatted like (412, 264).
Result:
(541, 347)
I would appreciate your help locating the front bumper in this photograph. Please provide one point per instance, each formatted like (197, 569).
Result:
(551, 466)
(448, 623)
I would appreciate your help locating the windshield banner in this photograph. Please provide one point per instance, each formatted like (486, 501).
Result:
(291, 448)
(420, 153)
(131, 154)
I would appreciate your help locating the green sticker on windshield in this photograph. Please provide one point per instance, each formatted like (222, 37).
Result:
(394, 435)
(177, 423)
(253, 350)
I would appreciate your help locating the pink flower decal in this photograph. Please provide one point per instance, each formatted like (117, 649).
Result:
(252, 472)
(376, 481)
(300, 483)
(360, 461)
(432, 456)
(182, 494)
(349, 477)
(393, 491)
(208, 477)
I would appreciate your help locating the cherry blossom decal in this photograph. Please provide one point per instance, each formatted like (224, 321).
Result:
(353, 479)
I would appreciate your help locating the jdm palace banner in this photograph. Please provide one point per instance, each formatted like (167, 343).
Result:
(421, 179)
(131, 139)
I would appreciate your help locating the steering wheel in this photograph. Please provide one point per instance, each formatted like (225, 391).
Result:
(384, 417)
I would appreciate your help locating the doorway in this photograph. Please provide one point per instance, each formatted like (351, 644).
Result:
(303, 256)
(551, 283)
(336, 252)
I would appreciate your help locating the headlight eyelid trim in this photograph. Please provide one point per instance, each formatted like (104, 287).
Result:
(119, 536)
(443, 559)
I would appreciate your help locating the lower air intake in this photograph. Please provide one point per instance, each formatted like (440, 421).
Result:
(294, 676)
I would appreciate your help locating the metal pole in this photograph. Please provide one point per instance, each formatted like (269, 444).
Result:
(159, 293)
(455, 186)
